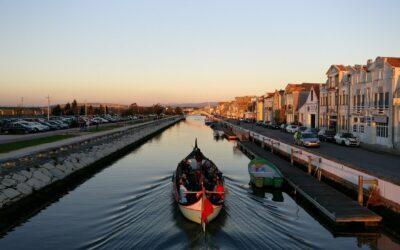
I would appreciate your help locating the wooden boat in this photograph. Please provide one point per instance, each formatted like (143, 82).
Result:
(264, 173)
(201, 203)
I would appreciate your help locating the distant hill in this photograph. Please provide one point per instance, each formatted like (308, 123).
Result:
(192, 105)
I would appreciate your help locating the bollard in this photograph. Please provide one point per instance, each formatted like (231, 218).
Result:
(309, 165)
(319, 174)
(360, 190)
(291, 156)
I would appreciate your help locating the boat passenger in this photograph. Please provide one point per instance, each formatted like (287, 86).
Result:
(182, 194)
(220, 188)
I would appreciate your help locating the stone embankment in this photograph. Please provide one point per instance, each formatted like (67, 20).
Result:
(22, 179)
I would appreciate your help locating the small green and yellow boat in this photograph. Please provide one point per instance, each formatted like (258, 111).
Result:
(264, 173)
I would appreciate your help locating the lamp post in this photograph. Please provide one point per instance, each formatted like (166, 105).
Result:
(48, 107)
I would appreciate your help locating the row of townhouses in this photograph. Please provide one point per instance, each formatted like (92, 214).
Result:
(362, 99)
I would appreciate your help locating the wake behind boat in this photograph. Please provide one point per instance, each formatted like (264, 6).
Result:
(198, 187)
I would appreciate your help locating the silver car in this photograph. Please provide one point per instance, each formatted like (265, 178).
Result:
(308, 140)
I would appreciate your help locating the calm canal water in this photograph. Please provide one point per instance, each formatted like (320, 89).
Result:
(129, 205)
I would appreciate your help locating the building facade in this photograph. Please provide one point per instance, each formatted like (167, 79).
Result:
(309, 111)
(337, 76)
(268, 107)
(374, 112)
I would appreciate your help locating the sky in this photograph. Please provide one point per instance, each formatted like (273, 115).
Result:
(169, 51)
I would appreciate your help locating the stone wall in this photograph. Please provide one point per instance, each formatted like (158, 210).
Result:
(23, 181)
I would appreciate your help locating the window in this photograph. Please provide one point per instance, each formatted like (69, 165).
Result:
(362, 100)
(361, 128)
(375, 100)
(382, 130)
(312, 95)
(355, 128)
(355, 119)
(381, 100)
(387, 100)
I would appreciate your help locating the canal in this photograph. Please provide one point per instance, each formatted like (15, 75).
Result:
(129, 205)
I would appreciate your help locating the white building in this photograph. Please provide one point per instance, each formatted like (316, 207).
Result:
(373, 109)
(268, 107)
(309, 111)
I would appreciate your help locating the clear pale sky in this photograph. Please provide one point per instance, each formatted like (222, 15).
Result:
(166, 51)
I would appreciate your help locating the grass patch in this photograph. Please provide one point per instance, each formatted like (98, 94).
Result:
(8, 147)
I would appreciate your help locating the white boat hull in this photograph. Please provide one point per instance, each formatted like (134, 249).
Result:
(193, 212)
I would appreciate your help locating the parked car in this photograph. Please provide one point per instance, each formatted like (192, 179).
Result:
(347, 139)
(273, 125)
(302, 129)
(265, 124)
(312, 130)
(20, 128)
(326, 135)
(292, 128)
(51, 126)
(283, 127)
(308, 140)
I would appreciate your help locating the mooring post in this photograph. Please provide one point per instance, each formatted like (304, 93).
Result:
(319, 174)
(309, 166)
(291, 156)
(360, 190)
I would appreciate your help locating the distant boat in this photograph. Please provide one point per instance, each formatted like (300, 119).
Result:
(200, 204)
(264, 173)
(218, 133)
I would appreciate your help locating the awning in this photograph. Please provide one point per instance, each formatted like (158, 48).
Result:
(380, 119)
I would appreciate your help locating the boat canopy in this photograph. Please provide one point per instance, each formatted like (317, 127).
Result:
(260, 167)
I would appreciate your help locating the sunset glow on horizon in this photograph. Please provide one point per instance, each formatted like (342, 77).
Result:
(181, 51)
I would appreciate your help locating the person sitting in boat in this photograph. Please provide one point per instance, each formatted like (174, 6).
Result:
(182, 192)
(220, 188)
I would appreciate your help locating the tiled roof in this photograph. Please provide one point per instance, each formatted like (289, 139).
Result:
(394, 61)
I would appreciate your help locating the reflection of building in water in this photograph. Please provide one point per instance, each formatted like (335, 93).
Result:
(377, 241)
(236, 150)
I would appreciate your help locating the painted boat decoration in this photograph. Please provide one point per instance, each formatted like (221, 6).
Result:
(198, 187)
(264, 173)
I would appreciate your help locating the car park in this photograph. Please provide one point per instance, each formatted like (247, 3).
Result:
(347, 139)
(307, 140)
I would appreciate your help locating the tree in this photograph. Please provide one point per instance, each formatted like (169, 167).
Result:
(68, 110)
(74, 107)
(158, 109)
(82, 110)
(90, 110)
(56, 110)
(178, 111)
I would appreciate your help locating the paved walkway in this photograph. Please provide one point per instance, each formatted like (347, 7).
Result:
(382, 165)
